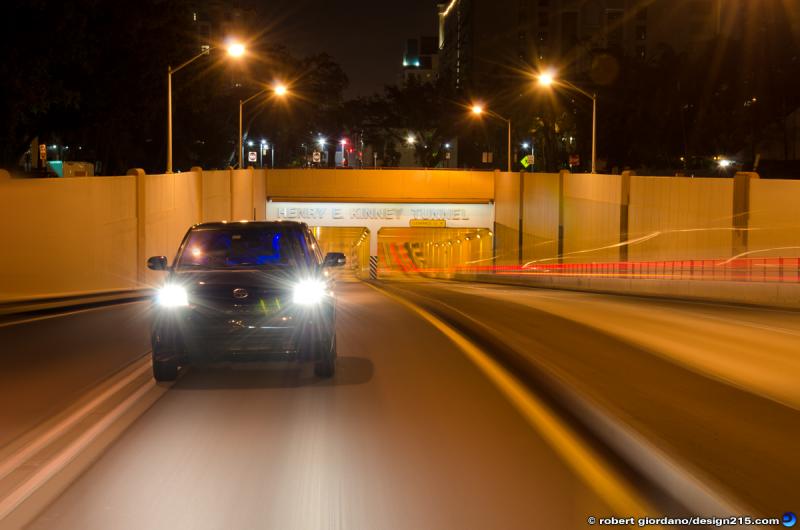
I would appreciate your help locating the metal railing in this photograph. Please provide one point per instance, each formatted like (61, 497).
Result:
(772, 270)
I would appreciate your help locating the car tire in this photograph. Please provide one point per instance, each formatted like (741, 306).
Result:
(325, 368)
(165, 370)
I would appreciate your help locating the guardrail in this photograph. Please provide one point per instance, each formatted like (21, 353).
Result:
(774, 270)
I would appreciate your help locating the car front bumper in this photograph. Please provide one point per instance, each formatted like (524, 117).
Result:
(191, 334)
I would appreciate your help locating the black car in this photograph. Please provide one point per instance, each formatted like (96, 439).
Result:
(246, 291)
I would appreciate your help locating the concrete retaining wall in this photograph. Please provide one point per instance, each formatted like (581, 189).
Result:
(78, 236)
(93, 234)
(783, 295)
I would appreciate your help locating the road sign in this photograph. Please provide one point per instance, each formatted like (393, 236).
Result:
(252, 156)
(42, 152)
(427, 223)
(316, 157)
(527, 161)
(447, 155)
(574, 160)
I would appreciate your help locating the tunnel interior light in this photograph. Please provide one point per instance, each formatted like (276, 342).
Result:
(309, 292)
(173, 296)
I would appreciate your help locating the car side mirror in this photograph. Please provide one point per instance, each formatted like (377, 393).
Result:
(334, 259)
(157, 263)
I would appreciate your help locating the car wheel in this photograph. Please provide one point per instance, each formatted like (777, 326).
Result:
(326, 367)
(165, 370)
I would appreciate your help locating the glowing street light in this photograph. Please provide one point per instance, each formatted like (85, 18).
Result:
(411, 140)
(278, 89)
(235, 50)
(548, 78)
(478, 110)
(281, 90)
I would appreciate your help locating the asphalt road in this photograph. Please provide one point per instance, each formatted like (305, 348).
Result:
(713, 386)
(409, 434)
(49, 362)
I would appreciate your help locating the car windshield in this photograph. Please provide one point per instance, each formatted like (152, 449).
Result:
(243, 248)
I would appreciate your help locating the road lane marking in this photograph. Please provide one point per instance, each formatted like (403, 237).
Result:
(575, 453)
(52, 467)
(52, 434)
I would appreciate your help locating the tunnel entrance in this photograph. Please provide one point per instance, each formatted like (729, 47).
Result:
(354, 241)
(433, 252)
(426, 230)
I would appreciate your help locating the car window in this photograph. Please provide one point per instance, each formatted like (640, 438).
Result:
(243, 248)
(312, 244)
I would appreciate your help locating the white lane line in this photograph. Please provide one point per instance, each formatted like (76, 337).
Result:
(48, 471)
(21, 456)
(66, 314)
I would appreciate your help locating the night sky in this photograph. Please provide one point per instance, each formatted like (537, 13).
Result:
(366, 37)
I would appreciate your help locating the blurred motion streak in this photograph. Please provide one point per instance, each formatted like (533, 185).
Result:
(782, 270)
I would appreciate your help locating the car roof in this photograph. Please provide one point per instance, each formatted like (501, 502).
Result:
(219, 225)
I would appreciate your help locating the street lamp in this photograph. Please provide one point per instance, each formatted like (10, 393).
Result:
(548, 78)
(279, 90)
(234, 49)
(478, 110)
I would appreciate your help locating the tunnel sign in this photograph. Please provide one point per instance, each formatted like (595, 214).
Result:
(375, 216)
(428, 223)
(379, 215)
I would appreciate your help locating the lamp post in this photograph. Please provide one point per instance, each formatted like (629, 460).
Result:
(235, 50)
(478, 110)
(547, 79)
(279, 90)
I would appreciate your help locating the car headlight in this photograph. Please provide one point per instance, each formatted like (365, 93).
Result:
(173, 296)
(310, 292)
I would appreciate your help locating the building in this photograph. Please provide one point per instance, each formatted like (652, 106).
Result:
(421, 60)
(216, 21)
(478, 39)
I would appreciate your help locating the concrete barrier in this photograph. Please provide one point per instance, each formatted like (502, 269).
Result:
(771, 294)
